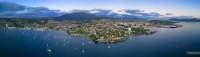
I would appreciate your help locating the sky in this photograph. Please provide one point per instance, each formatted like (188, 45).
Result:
(176, 7)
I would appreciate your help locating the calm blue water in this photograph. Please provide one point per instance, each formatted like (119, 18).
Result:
(165, 43)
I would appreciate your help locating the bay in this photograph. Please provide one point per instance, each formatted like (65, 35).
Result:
(173, 42)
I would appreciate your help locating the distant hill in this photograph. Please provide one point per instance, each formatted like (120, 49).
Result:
(13, 10)
(186, 20)
(12, 7)
(108, 14)
(81, 16)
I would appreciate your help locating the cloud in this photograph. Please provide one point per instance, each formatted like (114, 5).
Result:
(8, 9)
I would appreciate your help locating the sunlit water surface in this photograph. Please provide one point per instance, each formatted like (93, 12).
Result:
(165, 43)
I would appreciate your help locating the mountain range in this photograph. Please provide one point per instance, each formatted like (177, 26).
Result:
(13, 10)
(109, 14)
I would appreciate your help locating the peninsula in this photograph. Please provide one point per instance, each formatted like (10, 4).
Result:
(100, 31)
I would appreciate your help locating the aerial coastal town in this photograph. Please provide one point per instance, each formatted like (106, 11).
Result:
(100, 31)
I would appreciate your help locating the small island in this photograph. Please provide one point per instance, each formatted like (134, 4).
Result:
(105, 31)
